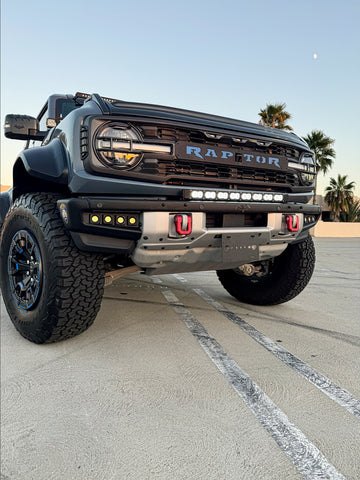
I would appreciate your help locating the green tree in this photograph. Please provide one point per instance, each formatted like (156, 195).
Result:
(352, 214)
(339, 195)
(275, 115)
(322, 146)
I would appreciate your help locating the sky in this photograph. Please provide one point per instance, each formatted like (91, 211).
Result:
(224, 57)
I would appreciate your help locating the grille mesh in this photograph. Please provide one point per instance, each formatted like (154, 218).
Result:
(189, 172)
(170, 169)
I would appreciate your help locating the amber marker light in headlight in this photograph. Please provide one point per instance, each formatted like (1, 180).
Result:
(121, 146)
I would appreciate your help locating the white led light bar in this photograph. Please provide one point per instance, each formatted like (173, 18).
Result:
(268, 197)
(233, 196)
(210, 195)
(197, 194)
(297, 166)
(131, 146)
(246, 196)
(222, 195)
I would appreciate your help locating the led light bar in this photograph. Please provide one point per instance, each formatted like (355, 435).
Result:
(307, 164)
(246, 196)
(297, 166)
(222, 195)
(131, 146)
(233, 196)
(210, 195)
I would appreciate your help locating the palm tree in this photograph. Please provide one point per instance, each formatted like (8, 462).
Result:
(321, 145)
(339, 195)
(352, 214)
(275, 115)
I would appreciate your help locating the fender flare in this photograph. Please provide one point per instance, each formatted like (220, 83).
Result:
(49, 162)
(5, 202)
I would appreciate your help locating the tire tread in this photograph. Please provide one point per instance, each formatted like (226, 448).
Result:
(296, 266)
(75, 277)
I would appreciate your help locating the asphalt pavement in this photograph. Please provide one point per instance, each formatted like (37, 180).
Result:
(178, 380)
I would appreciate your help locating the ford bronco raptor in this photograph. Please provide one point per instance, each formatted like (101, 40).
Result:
(106, 187)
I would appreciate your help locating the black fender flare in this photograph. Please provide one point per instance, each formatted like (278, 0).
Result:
(49, 162)
(5, 202)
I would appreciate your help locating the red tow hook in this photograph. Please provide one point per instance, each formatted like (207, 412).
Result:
(179, 220)
(292, 223)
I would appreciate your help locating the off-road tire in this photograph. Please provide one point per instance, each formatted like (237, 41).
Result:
(287, 276)
(72, 282)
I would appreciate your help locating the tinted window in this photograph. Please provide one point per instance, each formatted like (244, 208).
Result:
(64, 107)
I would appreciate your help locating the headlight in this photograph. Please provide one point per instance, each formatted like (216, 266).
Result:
(308, 176)
(307, 168)
(114, 145)
(121, 146)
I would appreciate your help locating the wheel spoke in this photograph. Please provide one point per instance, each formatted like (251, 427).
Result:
(20, 265)
(24, 269)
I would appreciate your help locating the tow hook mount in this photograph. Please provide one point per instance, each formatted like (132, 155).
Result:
(183, 224)
(292, 223)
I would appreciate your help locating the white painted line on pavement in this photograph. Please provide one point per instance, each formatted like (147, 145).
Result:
(337, 394)
(305, 456)
(333, 391)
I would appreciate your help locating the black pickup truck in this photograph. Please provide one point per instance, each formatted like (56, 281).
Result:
(106, 187)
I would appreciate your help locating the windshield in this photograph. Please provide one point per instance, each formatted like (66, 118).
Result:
(64, 106)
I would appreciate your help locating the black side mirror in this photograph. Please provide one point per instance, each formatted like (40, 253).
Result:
(21, 127)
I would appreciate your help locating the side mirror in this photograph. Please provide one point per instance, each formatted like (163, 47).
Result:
(21, 127)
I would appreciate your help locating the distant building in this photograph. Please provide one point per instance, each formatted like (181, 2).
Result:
(326, 212)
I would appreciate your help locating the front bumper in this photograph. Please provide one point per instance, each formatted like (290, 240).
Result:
(151, 246)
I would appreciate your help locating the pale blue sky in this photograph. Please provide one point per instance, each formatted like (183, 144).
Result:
(224, 57)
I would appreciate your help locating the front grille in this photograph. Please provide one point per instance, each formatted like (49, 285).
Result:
(174, 170)
(273, 149)
(232, 174)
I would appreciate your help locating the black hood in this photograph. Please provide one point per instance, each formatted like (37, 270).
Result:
(208, 121)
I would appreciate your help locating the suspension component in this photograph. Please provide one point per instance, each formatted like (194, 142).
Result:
(249, 269)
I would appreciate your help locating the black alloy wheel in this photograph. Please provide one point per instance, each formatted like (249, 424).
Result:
(51, 290)
(24, 269)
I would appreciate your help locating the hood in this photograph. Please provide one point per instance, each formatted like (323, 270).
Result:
(208, 121)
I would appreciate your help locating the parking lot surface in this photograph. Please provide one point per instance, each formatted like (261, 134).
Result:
(178, 380)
